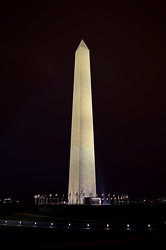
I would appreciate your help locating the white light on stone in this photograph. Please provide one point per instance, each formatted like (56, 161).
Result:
(82, 177)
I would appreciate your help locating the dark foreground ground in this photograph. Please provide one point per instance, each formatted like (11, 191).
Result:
(37, 238)
(136, 237)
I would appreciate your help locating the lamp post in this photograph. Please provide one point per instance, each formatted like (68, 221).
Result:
(102, 199)
(109, 198)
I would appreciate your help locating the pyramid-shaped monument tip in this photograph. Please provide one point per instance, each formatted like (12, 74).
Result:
(82, 44)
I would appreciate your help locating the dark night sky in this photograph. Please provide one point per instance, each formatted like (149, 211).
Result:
(127, 51)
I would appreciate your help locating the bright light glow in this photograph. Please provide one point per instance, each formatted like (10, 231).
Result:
(20, 222)
(128, 225)
(148, 225)
(69, 224)
(6, 221)
(87, 225)
(107, 225)
(35, 223)
(52, 224)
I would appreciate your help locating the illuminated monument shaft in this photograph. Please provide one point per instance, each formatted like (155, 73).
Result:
(82, 177)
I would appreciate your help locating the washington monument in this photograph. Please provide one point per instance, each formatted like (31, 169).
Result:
(82, 176)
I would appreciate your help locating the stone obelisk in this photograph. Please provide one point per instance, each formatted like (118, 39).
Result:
(82, 176)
